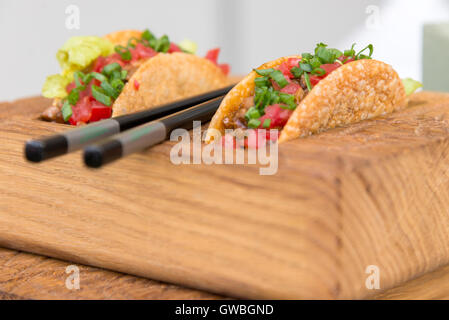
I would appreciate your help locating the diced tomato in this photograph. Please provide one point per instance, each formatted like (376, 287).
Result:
(314, 80)
(87, 91)
(276, 86)
(255, 139)
(101, 62)
(99, 111)
(174, 48)
(291, 88)
(136, 85)
(225, 68)
(326, 67)
(330, 67)
(278, 116)
(142, 52)
(286, 66)
(273, 137)
(343, 58)
(293, 62)
(285, 69)
(213, 54)
(81, 112)
(70, 86)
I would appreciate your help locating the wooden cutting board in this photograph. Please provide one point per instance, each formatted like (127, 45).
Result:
(375, 193)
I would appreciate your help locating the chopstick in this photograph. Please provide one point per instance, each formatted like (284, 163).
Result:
(147, 135)
(52, 146)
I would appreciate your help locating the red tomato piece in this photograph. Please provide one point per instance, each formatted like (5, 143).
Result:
(285, 69)
(343, 58)
(293, 62)
(174, 48)
(286, 66)
(101, 62)
(100, 111)
(278, 116)
(213, 54)
(291, 88)
(272, 136)
(136, 85)
(255, 139)
(276, 86)
(70, 86)
(314, 80)
(225, 68)
(142, 52)
(81, 112)
(329, 67)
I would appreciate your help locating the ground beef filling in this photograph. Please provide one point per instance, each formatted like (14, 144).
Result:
(237, 119)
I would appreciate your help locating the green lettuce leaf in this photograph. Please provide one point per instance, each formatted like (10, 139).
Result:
(411, 85)
(54, 86)
(76, 54)
(188, 46)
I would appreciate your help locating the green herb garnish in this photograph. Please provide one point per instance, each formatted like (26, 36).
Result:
(66, 111)
(307, 80)
(264, 72)
(107, 70)
(254, 123)
(162, 44)
(109, 90)
(101, 96)
(100, 77)
(297, 72)
(73, 97)
(252, 113)
(262, 82)
(279, 78)
(124, 52)
(288, 100)
(266, 123)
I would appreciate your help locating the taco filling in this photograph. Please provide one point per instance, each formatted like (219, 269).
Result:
(280, 89)
(94, 73)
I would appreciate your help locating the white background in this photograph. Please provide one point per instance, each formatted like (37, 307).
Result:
(249, 32)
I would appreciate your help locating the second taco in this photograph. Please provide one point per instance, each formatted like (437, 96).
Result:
(124, 72)
(307, 94)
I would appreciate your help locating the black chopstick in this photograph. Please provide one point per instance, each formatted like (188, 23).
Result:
(147, 135)
(49, 147)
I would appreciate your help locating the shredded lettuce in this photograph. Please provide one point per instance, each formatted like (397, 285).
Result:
(80, 52)
(55, 86)
(75, 55)
(188, 46)
(411, 85)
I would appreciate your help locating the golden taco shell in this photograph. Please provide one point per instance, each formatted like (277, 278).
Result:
(356, 91)
(166, 78)
(122, 37)
(234, 98)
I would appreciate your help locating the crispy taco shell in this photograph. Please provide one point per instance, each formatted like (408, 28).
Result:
(168, 77)
(356, 91)
(234, 98)
(163, 78)
(122, 37)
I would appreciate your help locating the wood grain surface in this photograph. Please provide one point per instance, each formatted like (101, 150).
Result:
(28, 276)
(372, 193)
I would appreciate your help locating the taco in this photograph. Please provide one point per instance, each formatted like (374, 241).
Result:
(307, 94)
(124, 72)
